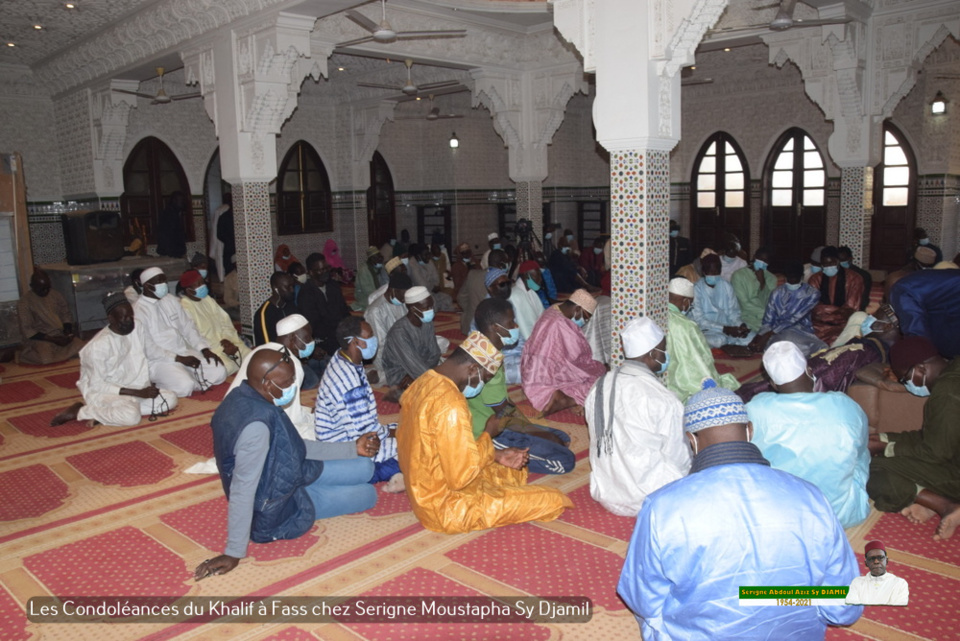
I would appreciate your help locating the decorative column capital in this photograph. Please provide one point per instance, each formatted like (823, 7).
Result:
(109, 115)
(366, 122)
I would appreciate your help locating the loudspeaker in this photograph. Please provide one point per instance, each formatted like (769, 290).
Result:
(92, 236)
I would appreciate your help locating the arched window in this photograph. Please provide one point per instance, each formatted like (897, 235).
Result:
(796, 214)
(381, 215)
(721, 202)
(894, 202)
(304, 202)
(151, 175)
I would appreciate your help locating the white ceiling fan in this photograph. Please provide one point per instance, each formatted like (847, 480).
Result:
(410, 89)
(433, 114)
(687, 79)
(385, 34)
(161, 97)
(781, 22)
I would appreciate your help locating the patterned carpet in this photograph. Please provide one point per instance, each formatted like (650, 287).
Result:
(109, 511)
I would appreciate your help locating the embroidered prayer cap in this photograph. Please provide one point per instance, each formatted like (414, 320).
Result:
(946, 264)
(415, 295)
(493, 273)
(706, 252)
(681, 287)
(640, 336)
(463, 247)
(392, 264)
(149, 273)
(528, 266)
(493, 235)
(482, 350)
(290, 324)
(372, 251)
(112, 299)
(815, 254)
(910, 351)
(190, 277)
(713, 406)
(784, 362)
(583, 298)
(874, 545)
(925, 255)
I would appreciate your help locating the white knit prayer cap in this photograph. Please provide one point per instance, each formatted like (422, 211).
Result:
(415, 295)
(492, 235)
(784, 362)
(681, 287)
(149, 273)
(639, 336)
(290, 324)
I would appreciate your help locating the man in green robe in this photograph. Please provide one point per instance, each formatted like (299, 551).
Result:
(368, 278)
(753, 286)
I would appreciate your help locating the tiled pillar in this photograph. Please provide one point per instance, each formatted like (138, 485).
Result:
(856, 212)
(251, 223)
(530, 203)
(639, 217)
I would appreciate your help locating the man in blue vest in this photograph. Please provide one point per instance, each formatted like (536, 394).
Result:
(277, 483)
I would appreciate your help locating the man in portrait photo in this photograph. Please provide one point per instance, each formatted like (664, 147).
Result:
(878, 587)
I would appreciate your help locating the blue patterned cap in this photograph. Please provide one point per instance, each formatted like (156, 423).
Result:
(713, 406)
(493, 273)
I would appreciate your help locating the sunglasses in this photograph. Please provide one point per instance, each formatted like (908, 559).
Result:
(284, 358)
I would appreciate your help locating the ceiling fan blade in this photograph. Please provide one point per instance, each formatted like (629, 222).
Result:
(148, 96)
(186, 96)
(355, 41)
(945, 76)
(450, 33)
(690, 83)
(445, 116)
(362, 20)
(766, 6)
(436, 85)
(731, 30)
(374, 85)
(800, 24)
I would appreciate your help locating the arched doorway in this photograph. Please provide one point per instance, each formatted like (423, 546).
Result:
(304, 201)
(894, 202)
(214, 190)
(795, 212)
(381, 215)
(151, 175)
(720, 204)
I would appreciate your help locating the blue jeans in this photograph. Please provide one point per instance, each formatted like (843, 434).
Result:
(343, 488)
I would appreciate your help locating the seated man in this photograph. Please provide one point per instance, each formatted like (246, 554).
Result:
(922, 239)
(321, 302)
(680, 252)
(731, 261)
(368, 279)
(135, 288)
(114, 377)
(493, 413)
(787, 316)
(845, 254)
(475, 288)
(293, 333)
(346, 408)
(753, 286)
(715, 308)
(46, 324)
(212, 322)
(461, 267)
(635, 424)
(819, 436)
(918, 473)
(524, 298)
(178, 347)
(928, 304)
(813, 267)
(566, 273)
(840, 293)
(423, 272)
(277, 484)
(879, 587)
(499, 287)
(734, 521)
(692, 359)
(557, 364)
(279, 305)
(411, 347)
(383, 312)
(457, 483)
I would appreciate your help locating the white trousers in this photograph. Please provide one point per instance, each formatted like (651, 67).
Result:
(125, 411)
(183, 380)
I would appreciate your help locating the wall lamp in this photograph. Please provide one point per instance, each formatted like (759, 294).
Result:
(454, 141)
(939, 104)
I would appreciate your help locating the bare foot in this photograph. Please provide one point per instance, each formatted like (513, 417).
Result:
(917, 513)
(559, 401)
(67, 415)
(948, 524)
(395, 484)
(576, 410)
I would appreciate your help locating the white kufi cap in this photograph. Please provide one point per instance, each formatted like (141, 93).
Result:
(492, 235)
(640, 336)
(415, 295)
(681, 287)
(149, 273)
(784, 362)
(290, 324)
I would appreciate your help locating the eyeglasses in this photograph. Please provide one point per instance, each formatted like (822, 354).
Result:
(284, 358)
(906, 377)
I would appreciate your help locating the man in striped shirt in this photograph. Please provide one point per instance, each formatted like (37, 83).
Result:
(346, 407)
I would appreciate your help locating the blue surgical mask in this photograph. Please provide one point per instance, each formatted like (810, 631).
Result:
(794, 286)
(437, 258)
(203, 273)
(160, 290)
(674, 233)
(830, 271)
(421, 262)
(307, 350)
(394, 301)
(570, 237)
(202, 292)
(370, 350)
(498, 246)
(845, 264)
(760, 265)
(532, 285)
(565, 250)
(712, 280)
(727, 259)
(548, 235)
(405, 261)
(512, 338)
(580, 321)
(867, 325)
(665, 364)
(393, 241)
(471, 391)
(917, 390)
(426, 316)
(598, 250)
(924, 241)
(286, 395)
(815, 269)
